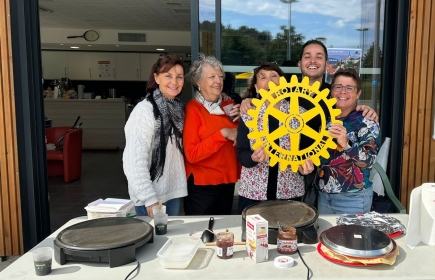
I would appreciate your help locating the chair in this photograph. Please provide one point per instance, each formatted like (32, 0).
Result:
(382, 159)
(68, 160)
(377, 168)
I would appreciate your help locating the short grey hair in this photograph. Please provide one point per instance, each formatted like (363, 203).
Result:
(196, 71)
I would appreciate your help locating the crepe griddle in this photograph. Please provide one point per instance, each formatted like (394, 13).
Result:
(357, 241)
(113, 240)
(289, 213)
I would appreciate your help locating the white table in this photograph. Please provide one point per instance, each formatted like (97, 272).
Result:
(410, 264)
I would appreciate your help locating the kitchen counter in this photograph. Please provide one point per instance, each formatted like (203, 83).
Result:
(410, 264)
(103, 119)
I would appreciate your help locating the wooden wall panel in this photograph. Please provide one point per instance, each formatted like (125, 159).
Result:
(10, 209)
(418, 146)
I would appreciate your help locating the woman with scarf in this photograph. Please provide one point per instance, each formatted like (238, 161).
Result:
(153, 155)
(209, 139)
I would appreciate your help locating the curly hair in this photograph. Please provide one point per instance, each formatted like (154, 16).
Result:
(196, 71)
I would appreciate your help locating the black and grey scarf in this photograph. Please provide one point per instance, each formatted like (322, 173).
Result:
(169, 116)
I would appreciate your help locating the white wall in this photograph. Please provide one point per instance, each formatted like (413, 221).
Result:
(172, 41)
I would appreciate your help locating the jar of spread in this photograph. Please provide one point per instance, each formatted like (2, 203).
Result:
(287, 242)
(224, 245)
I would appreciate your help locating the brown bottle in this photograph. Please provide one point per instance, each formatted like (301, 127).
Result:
(287, 242)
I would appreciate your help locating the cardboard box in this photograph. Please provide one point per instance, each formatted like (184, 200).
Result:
(257, 247)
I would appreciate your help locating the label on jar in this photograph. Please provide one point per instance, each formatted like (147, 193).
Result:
(287, 246)
(230, 251)
(224, 252)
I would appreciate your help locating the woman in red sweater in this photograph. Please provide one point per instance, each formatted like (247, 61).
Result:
(209, 139)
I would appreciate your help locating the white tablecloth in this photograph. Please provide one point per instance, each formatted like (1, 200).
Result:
(410, 264)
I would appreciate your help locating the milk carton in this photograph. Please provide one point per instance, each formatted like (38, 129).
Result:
(257, 247)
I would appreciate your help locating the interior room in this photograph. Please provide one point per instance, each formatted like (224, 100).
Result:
(129, 37)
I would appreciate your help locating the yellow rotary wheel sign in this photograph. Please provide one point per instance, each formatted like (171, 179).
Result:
(293, 91)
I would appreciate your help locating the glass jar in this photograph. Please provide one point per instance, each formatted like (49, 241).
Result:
(287, 242)
(224, 245)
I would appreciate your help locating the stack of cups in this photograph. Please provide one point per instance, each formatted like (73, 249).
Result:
(160, 219)
(42, 260)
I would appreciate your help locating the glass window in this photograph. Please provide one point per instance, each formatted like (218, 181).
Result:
(258, 31)
(207, 27)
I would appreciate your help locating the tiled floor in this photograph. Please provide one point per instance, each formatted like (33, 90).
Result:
(102, 177)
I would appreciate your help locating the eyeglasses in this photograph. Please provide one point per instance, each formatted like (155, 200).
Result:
(339, 87)
(262, 66)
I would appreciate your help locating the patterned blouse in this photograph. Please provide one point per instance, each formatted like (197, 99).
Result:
(349, 171)
(254, 179)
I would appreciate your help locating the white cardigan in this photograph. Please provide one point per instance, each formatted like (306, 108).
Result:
(139, 135)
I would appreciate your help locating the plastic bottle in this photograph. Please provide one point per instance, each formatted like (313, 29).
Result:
(56, 92)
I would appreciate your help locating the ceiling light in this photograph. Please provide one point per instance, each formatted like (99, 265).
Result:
(75, 47)
(117, 46)
(160, 49)
(89, 45)
(61, 44)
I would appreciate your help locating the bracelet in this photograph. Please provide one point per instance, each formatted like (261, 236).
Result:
(347, 146)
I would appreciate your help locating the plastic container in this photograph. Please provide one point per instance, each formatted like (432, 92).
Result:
(283, 262)
(161, 223)
(120, 213)
(178, 252)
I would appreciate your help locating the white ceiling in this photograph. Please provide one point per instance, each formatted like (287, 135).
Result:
(167, 15)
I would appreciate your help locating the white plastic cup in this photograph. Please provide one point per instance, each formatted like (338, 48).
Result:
(161, 223)
(157, 209)
(42, 258)
(228, 109)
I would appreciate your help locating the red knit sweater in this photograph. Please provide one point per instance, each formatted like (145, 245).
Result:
(210, 157)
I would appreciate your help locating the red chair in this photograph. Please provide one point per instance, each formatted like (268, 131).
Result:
(67, 161)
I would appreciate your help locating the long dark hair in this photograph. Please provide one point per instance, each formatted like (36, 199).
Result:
(163, 64)
(268, 66)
